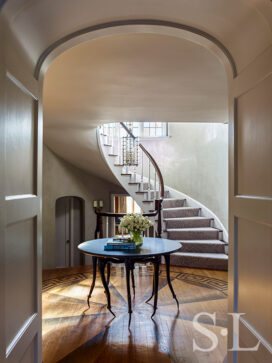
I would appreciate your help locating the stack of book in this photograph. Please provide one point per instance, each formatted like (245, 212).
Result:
(119, 244)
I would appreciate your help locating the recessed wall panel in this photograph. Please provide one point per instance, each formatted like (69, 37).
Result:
(255, 275)
(20, 276)
(253, 141)
(20, 141)
(29, 355)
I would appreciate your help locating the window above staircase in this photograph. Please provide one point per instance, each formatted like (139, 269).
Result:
(148, 129)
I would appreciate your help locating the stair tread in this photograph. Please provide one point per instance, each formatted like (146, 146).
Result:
(221, 256)
(146, 191)
(203, 241)
(204, 229)
(180, 208)
(186, 218)
(174, 199)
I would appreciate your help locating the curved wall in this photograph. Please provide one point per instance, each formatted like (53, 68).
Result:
(63, 179)
(194, 160)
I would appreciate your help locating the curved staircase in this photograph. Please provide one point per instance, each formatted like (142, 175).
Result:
(193, 225)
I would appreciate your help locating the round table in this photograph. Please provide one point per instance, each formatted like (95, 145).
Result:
(151, 251)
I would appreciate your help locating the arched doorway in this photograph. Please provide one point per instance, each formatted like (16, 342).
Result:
(69, 230)
(244, 201)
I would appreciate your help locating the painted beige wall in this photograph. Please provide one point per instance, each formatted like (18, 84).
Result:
(194, 160)
(63, 179)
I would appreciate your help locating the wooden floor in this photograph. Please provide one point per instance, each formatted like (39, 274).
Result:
(73, 334)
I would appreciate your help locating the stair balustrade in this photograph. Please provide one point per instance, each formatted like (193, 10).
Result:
(146, 170)
(136, 163)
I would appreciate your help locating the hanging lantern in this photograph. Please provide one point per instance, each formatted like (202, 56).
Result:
(130, 150)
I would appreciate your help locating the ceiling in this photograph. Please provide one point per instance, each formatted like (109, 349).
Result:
(243, 26)
(128, 77)
(135, 77)
(132, 76)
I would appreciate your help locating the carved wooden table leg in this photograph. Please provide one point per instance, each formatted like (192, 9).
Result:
(152, 289)
(94, 278)
(128, 270)
(167, 262)
(101, 264)
(108, 272)
(156, 283)
(132, 278)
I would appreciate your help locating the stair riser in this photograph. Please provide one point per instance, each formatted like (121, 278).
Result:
(152, 195)
(144, 187)
(173, 203)
(202, 248)
(198, 223)
(181, 213)
(187, 235)
(195, 262)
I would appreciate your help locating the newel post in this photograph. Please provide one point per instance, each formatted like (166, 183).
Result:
(158, 206)
(99, 226)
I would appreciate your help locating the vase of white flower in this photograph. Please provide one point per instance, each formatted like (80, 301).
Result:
(137, 237)
(136, 224)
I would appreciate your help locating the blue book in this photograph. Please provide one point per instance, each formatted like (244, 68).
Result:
(120, 247)
(119, 242)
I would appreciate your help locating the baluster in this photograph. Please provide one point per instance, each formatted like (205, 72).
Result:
(155, 185)
(142, 172)
(113, 227)
(115, 143)
(111, 138)
(108, 132)
(134, 174)
(120, 145)
(123, 151)
(107, 226)
(148, 191)
(100, 226)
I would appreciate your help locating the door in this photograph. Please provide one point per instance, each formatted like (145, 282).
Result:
(69, 231)
(250, 267)
(20, 208)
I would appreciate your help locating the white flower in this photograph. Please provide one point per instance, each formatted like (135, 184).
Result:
(133, 222)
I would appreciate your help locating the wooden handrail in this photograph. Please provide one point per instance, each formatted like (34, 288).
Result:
(150, 157)
(112, 214)
(127, 130)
